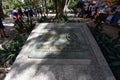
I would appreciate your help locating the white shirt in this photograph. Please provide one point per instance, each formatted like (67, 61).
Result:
(91, 7)
(15, 11)
(117, 9)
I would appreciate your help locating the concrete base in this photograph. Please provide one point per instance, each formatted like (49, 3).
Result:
(93, 67)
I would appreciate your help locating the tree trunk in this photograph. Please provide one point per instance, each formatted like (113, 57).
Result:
(46, 10)
(1, 10)
(55, 3)
(59, 7)
(66, 6)
(42, 5)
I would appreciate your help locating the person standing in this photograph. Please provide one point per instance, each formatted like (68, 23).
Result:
(20, 13)
(91, 10)
(80, 8)
(15, 13)
(2, 32)
(40, 11)
(30, 12)
(26, 12)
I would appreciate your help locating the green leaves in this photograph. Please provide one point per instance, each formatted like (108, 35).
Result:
(8, 55)
(24, 27)
(11, 50)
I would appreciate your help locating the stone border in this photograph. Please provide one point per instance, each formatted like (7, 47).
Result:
(99, 55)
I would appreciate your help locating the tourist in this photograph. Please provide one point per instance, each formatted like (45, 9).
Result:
(26, 12)
(15, 13)
(91, 10)
(35, 13)
(102, 14)
(80, 8)
(20, 13)
(2, 32)
(110, 13)
(118, 38)
(109, 18)
(41, 12)
(30, 12)
(115, 19)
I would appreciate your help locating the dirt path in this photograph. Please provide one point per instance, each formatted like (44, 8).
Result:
(108, 29)
(111, 30)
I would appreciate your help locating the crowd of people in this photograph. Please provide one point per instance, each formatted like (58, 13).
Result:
(19, 13)
(102, 12)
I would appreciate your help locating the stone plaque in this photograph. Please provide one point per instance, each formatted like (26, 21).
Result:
(60, 43)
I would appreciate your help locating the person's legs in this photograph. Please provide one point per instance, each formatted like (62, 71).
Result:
(118, 37)
(2, 32)
(82, 13)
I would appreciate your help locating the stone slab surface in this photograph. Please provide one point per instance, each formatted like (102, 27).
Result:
(93, 67)
(60, 43)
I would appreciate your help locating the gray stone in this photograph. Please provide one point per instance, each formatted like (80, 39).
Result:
(91, 66)
(60, 43)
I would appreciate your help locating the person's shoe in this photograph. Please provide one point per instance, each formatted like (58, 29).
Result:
(7, 36)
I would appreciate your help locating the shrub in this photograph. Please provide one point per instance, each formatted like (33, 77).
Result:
(11, 51)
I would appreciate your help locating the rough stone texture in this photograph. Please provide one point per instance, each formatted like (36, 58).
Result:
(93, 68)
(60, 43)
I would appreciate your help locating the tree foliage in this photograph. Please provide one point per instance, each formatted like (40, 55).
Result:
(60, 7)
(32, 3)
(73, 4)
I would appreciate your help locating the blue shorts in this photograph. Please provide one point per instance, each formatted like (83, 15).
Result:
(1, 25)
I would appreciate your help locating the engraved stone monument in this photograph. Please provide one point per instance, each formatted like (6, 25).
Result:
(60, 51)
(60, 43)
